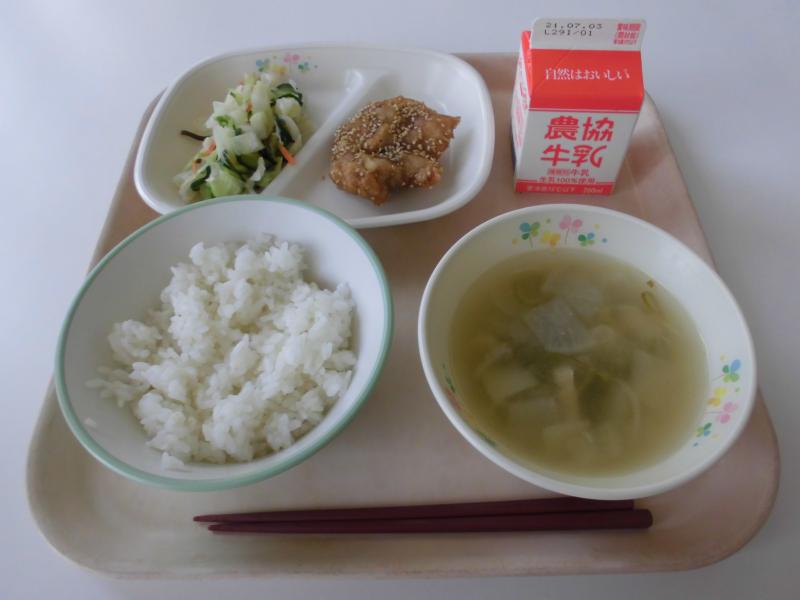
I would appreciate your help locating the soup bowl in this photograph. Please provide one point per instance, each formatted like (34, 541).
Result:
(729, 391)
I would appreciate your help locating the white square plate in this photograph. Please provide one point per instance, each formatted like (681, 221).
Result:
(335, 81)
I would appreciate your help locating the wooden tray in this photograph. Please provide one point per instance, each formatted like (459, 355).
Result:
(400, 447)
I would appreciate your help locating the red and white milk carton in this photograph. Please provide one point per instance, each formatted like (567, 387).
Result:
(577, 96)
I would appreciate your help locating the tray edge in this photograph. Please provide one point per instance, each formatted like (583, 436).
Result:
(47, 406)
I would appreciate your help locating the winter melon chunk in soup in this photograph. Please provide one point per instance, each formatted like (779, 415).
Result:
(577, 362)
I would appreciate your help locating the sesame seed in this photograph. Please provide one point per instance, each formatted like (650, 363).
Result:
(391, 139)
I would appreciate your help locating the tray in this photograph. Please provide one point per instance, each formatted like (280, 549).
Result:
(400, 448)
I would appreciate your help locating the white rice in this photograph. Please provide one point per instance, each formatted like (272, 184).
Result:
(241, 358)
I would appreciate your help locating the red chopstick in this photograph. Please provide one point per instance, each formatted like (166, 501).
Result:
(561, 504)
(566, 521)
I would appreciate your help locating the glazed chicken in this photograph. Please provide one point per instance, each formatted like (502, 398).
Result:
(388, 145)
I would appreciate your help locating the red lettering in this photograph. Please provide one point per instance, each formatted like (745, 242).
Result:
(556, 152)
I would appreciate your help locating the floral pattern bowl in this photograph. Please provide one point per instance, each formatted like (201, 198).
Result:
(731, 387)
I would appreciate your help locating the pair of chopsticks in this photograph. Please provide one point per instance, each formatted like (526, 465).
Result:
(541, 514)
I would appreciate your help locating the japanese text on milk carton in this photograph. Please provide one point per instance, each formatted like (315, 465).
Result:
(577, 96)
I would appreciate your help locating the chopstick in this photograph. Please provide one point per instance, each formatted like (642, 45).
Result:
(567, 521)
(561, 504)
(540, 514)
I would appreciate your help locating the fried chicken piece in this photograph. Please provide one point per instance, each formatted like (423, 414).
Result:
(388, 145)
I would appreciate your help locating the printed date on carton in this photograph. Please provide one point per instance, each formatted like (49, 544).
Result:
(571, 28)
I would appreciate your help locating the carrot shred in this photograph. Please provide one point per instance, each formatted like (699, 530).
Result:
(210, 149)
(286, 154)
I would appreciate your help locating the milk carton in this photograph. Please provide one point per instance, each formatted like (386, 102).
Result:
(577, 96)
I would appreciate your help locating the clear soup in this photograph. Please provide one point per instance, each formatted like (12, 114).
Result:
(577, 362)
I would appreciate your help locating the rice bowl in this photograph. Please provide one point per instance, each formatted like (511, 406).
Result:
(129, 280)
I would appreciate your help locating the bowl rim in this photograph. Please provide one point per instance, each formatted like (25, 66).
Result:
(219, 483)
(453, 202)
(530, 474)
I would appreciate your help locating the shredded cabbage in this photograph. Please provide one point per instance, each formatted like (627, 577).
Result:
(242, 154)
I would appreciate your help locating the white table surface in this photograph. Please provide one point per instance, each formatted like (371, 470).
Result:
(76, 77)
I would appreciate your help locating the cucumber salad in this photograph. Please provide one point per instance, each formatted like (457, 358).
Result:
(255, 131)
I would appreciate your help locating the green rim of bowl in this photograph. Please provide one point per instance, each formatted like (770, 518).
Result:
(208, 485)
